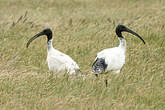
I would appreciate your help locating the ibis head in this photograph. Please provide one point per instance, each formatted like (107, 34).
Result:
(46, 32)
(121, 28)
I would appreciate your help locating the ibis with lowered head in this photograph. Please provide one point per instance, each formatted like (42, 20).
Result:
(57, 61)
(113, 59)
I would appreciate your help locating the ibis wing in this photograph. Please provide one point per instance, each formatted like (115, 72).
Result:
(99, 65)
(63, 59)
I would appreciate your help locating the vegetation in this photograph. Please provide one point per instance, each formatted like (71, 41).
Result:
(81, 28)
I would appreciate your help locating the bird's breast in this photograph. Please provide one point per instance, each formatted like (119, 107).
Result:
(114, 58)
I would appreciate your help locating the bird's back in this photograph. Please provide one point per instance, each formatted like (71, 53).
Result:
(114, 58)
(60, 62)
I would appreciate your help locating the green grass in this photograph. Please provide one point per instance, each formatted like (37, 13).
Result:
(81, 28)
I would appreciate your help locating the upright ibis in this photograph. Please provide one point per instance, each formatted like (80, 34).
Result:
(57, 61)
(113, 59)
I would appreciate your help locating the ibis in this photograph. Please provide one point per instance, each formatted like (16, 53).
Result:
(113, 59)
(57, 61)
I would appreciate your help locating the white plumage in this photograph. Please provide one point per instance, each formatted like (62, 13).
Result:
(58, 62)
(112, 59)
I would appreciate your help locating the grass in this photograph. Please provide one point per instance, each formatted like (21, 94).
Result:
(81, 28)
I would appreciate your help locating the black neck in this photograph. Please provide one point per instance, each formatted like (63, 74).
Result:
(49, 37)
(119, 34)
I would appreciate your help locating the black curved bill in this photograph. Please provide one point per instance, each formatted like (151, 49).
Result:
(34, 37)
(132, 32)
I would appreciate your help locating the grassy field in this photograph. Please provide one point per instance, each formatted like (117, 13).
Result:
(81, 28)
